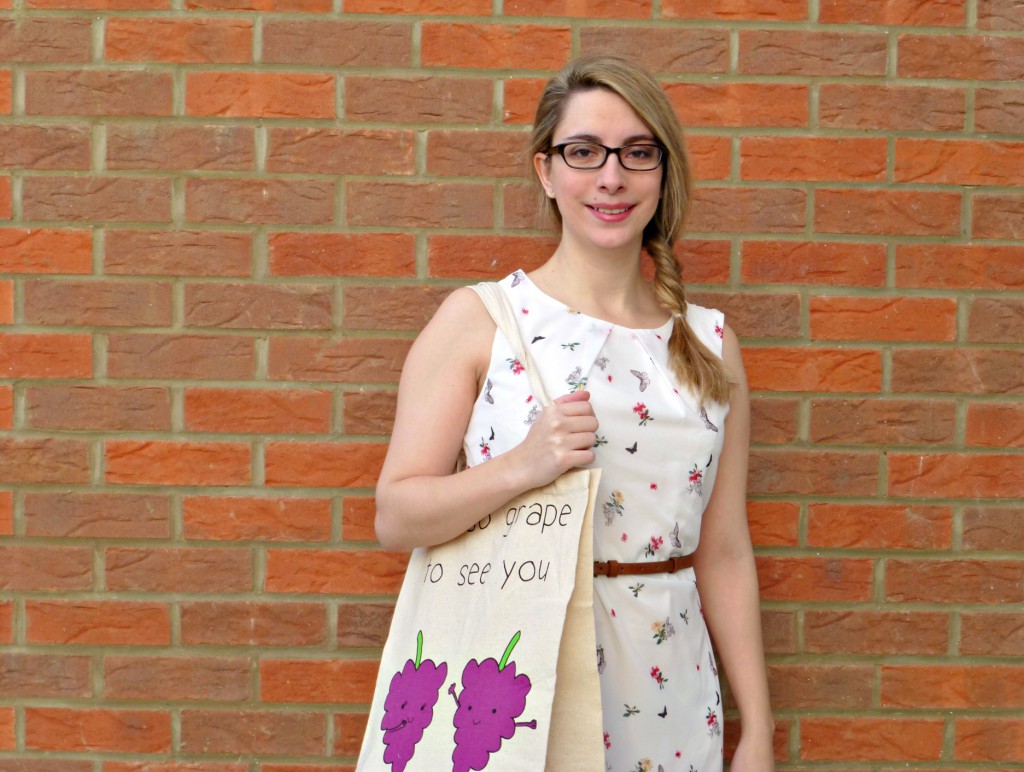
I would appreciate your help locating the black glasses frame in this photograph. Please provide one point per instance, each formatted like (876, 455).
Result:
(608, 151)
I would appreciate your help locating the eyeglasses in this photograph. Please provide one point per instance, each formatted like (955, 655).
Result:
(590, 155)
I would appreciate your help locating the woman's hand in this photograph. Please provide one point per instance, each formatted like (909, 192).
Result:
(753, 756)
(561, 438)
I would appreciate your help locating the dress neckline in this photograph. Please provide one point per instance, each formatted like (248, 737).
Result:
(664, 329)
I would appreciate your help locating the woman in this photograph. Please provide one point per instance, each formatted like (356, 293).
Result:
(646, 383)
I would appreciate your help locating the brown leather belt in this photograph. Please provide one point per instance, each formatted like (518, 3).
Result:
(613, 568)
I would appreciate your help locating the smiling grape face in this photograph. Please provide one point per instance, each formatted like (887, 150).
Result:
(409, 707)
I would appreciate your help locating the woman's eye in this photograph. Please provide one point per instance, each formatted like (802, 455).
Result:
(581, 151)
(640, 152)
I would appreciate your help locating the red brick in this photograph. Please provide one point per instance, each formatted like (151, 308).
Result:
(260, 94)
(887, 212)
(989, 739)
(8, 740)
(97, 303)
(774, 421)
(745, 210)
(750, 105)
(45, 765)
(812, 369)
(485, 256)
(960, 266)
(954, 581)
(45, 251)
(820, 686)
(377, 360)
(36, 40)
(253, 732)
(298, 201)
(879, 526)
(207, 679)
(704, 260)
(364, 624)
(249, 519)
(352, 572)
(885, 319)
(661, 49)
(417, 7)
(981, 371)
(192, 41)
(6, 91)
(463, 153)
(999, 425)
(586, 9)
(876, 632)
(118, 199)
(735, 10)
(261, 307)
(369, 412)
(495, 46)
(890, 13)
(773, 523)
(831, 473)
(45, 147)
(427, 100)
(179, 570)
(45, 568)
(37, 460)
(273, 6)
(379, 307)
(998, 217)
(876, 107)
(97, 515)
(419, 204)
(812, 158)
(258, 411)
(327, 681)
(172, 766)
(785, 52)
(328, 43)
(998, 634)
(44, 675)
(950, 475)
(342, 254)
(804, 262)
(107, 408)
(965, 687)
(357, 517)
(959, 162)
(815, 579)
(341, 151)
(882, 422)
(211, 357)
(100, 5)
(251, 623)
(998, 110)
(6, 526)
(113, 731)
(1001, 15)
(710, 156)
(98, 92)
(996, 320)
(6, 302)
(97, 622)
(142, 462)
(755, 315)
(960, 57)
(323, 464)
(993, 528)
(348, 733)
(870, 739)
(779, 631)
(174, 147)
(520, 98)
(178, 253)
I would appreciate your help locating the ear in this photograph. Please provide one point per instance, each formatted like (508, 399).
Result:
(542, 165)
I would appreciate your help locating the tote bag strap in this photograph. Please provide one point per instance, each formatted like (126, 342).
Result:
(501, 312)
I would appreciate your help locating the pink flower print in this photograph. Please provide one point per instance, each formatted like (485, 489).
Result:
(641, 410)
(515, 366)
(714, 728)
(719, 331)
(659, 677)
(525, 311)
(624, 537)
(653, 546)
(607, 741)
(696, 479)
(485, 449)
(654, 486)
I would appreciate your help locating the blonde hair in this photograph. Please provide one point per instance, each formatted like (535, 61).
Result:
(692, 361)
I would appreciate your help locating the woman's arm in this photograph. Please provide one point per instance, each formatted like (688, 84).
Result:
(727, 579)
(420, 501)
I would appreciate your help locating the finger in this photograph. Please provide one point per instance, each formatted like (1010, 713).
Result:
(573, 396)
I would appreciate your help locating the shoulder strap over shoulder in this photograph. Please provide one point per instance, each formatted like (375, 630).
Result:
(501, 312)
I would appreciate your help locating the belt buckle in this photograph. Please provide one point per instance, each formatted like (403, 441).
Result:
(613, 569)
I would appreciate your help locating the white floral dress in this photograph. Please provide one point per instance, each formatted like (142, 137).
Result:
(658, 451)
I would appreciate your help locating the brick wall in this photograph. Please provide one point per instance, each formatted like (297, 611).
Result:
(223, 221)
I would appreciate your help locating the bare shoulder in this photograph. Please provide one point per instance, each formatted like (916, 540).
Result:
(733, 357)
(460, 332)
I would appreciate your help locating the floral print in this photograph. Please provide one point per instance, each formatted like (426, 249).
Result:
(657, 448)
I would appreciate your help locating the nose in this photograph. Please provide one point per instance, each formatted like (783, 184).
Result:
(611, 176)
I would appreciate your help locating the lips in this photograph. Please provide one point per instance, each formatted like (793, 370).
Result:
(611, 213)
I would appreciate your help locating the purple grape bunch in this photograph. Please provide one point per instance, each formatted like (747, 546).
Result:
(492, 698)
(409, 706)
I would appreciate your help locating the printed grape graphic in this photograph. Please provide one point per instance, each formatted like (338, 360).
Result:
(409, 706)
(492, 698)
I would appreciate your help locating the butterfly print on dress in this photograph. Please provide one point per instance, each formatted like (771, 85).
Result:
(706, 420)
(644, 379)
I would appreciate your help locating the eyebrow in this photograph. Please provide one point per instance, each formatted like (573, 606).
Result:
(643, 138)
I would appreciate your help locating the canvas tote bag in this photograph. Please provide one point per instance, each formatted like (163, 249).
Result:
(490, 662)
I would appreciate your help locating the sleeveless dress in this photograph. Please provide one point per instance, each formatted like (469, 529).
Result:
(658, 451)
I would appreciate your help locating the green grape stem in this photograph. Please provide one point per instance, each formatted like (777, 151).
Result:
(419, 649)
(508, 650)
